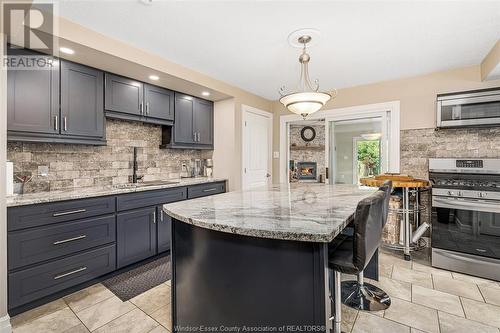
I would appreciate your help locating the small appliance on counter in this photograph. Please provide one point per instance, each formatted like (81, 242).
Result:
(466, 215)
(208, 168)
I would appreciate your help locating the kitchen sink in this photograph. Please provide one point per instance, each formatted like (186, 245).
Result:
(146, 184)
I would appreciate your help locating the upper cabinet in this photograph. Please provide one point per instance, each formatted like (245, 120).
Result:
(82, 108)
(133, 100)
(193, 126)
(60, 105)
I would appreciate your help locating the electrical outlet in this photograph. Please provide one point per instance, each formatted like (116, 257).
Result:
(276, 154)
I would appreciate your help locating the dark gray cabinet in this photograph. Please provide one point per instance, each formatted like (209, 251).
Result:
(59, 245)
(60, 105)
(33, 103)
(136, 235)
(123, 97)
(82, 109)
(203, 122)
(159, 103)
(193, 125)
(133, 100)
(164, 231)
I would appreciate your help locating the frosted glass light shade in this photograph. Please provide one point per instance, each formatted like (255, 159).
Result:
(305, 103)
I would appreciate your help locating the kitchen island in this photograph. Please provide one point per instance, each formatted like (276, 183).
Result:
(256, 260)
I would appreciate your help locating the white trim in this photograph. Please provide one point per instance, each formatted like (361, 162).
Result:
(353, 112)
(245, 109)
(5, 326)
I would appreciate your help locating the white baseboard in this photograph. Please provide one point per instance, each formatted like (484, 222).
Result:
(5, 325)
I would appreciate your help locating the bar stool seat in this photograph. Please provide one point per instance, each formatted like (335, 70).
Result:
(350, 254)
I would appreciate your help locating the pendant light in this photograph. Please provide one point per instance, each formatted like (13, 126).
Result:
(306, 99)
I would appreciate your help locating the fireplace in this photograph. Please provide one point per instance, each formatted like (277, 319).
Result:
(306, 170)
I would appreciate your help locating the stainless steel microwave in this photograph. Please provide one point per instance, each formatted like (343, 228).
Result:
(473, 108)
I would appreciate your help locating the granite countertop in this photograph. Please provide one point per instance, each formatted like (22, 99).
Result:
(98, 191)
(300, 211)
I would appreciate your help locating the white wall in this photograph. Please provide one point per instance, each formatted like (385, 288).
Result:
(4, 318)
(226, 154)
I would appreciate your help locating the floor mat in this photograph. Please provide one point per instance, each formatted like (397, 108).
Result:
(138, 280)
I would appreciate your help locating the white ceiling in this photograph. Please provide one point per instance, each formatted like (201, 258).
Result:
(244, 43)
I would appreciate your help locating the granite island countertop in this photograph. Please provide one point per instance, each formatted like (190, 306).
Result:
(309, 212)
(99, 191)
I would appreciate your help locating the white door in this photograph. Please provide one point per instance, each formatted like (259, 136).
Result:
(257, 146)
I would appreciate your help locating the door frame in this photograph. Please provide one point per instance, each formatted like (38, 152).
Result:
(347, 113)
(245, 110)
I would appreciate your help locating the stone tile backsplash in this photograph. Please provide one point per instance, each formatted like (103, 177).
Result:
(418, 145)
(73, 166)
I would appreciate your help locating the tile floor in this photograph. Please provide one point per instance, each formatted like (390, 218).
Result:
(424, 299)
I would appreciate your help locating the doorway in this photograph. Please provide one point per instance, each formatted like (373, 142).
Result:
(375, 126)
(257, 139)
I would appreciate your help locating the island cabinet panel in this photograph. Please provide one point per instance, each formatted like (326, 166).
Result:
(123, 95)
(46, 279)
(82, 100)
(35, 245)
(275, 282)
(136, 235)
(159, 103)
(164, 230)
(42, 214)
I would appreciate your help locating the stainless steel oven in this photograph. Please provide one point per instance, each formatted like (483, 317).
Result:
(477, 108)
(466, 216)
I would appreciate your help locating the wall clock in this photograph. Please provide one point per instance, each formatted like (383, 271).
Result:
(308, 133)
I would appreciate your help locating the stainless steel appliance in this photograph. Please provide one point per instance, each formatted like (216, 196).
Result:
(474, 108)
(466, 215)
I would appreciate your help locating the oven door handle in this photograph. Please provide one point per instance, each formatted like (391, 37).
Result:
(477, 205)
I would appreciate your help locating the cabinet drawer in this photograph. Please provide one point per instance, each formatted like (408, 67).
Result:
(37, 215)
(34, 283)
(203, 190)
(150, 198)
(34, 245)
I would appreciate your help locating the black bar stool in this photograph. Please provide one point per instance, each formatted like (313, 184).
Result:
(351, 254)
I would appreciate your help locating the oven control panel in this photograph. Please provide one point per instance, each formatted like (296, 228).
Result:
(469, 163)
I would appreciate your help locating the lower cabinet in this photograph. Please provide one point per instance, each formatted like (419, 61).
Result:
(56, 246)
(164, 230)
(136, 235)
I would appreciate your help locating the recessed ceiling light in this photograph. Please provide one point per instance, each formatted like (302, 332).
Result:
(154, 77)
(66, 50)
(205, 93)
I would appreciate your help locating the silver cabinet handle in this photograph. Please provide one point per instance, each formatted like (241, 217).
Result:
(69, 240)
(147, 108)
(210, 189)
(83, 210)
(161, 215)
(65, 123)
(194, 136)
(154, 217)
(141, 107)
(60, 276)
(56, 123)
